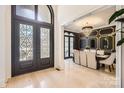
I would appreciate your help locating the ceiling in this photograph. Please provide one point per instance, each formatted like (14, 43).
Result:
(67, 13)
(96, 19)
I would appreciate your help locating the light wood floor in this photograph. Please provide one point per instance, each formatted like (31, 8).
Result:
(74, 76)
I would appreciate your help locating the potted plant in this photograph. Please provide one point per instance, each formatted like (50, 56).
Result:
(113, 17)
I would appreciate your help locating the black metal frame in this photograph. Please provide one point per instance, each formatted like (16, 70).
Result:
(68, 43)
(15, 18)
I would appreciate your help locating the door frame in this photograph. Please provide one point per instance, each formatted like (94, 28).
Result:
(50, 41)
(14, 18)
(68, 43)
(16, 51)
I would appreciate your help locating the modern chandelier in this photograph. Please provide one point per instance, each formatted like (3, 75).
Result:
(87, 30)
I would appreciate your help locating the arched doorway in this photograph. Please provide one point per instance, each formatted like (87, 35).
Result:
(32, 38)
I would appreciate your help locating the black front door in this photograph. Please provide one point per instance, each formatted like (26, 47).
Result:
(44, 46)
(32, 38)
(33, 47)
(24, 47)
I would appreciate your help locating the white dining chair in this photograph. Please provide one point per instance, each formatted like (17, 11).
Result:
(86, 50)
(109, 61)
(92, 50)
(76, 56)
(91, 60)
(83, 60)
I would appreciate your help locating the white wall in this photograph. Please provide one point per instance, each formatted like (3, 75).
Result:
(118, 54)
(122, 57)
(58, 58)
(58, 41)
(5, 43)
(8, 41)
(2, 46)
(122, 66)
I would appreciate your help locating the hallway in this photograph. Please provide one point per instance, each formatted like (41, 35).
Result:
(74, 76)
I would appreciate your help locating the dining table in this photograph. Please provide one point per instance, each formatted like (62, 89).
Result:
(102, 56)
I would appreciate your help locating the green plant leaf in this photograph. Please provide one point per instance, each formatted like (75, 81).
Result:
(116, 14)
(120, 42)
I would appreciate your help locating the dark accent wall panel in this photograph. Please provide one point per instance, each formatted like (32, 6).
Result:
(77, 41)
(96, 35)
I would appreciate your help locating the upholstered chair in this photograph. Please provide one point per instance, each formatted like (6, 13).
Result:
(83, 60)
(109, 61)
(92, 50)
(91, 60)
(86, 50)
(76, 56)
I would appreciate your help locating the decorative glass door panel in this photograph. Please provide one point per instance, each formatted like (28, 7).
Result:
(44, 47)
(71, 46)
(66, 47)
(44, 43)
(26, 42)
